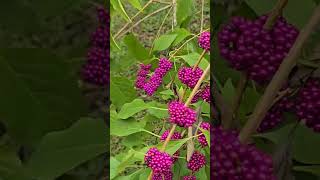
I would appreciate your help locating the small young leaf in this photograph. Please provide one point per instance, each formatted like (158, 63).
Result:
(135, 48)
(130, 109)
(192, 58)
(164, 42)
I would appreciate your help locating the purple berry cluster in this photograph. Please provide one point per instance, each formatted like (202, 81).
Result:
(142, 75)
(166, 175)
(96, 68)
(156, 79)
(203, 94)
(202, 139)
(175, 136)
(189, 77)
(308, 104)
(232, 160)
(250, 48)
(159, 162)
(204, 40)
(181, 115)
(275, 115)
(189, 178)
(196, 162)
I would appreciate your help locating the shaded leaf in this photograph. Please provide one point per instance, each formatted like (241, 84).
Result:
(67, 149)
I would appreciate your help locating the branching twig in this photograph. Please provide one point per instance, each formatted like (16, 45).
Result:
(144, 18)
(136, 15)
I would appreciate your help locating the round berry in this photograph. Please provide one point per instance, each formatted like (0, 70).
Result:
(232, 160)
(158, 161)
(204, 40)
(196, 162)
(189, 178)
(181, 115)
(202, 139)
(308, 104)
(248, 47)
(189, 77)
(166, 175)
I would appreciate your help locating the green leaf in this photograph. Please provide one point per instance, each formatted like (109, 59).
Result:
(174, 146)
(136, 4)
(39, 94)
(117, 5)
(164, 42)
(306, 143)
(67, 149)
(228, 91)
(290, 11)
(192, 58)
(310, 169)
(158, 110)
(133, 176)
(121, 90)
(10, 163)
(181, 35)
(131, 126)
(135, 48)
(114, 163)
(185, 10)
(130, 109)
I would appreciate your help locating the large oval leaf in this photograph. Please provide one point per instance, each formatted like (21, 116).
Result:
(61, 151)
(38, 93)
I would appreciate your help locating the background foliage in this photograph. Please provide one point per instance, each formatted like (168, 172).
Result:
(49, 129)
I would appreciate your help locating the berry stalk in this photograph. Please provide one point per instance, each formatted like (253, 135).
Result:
(279, 78)
(275, 13)
(199, 60)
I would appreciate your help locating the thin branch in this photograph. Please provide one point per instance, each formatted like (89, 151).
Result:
(159, 30)
(144, 18)
(275, 13)
(136, 15)
(202, 15)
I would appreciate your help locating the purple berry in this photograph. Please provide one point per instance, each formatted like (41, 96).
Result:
(205, 94)
(204, 40)
(196, 162)
(189, 77)
(155, 80)
(142, 75)
(159, 162)
(181, 115)
(251, 49)
(96, 69)
(175, 136)
(167, 175)
(308, 104)
(189, 178)
(232, 160)
(202, 139)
